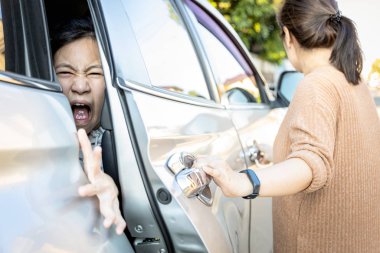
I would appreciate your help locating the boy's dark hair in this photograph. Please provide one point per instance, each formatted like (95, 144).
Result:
(70, 31)
(319, 24)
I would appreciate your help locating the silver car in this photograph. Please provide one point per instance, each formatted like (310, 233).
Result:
(180, 84)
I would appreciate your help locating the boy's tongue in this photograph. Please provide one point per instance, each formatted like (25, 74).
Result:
(81, 114)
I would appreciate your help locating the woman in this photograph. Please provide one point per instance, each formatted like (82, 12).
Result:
(79, 70)
(325, 181)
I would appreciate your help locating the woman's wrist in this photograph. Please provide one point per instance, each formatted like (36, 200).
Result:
(244, 186)
(255, 184)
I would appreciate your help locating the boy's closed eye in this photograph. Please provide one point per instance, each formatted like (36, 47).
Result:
(95, 74)
(65, 74)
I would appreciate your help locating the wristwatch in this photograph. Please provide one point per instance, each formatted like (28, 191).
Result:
(255, 183)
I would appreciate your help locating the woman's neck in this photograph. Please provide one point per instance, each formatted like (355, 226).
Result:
(311, 59)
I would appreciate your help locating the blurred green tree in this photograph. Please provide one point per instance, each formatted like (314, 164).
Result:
(255, 22)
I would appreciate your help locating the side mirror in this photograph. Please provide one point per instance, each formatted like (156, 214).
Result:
(238, 95)
(287, 85)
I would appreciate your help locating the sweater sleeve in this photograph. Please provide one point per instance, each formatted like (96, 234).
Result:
(312, 128)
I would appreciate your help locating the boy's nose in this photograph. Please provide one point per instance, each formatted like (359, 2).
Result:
(81, 84)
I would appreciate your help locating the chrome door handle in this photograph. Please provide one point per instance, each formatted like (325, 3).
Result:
(194, 182)
(257, 156)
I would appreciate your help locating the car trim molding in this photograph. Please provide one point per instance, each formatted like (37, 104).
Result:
(16, 79)
(179, 97)
(247, 106)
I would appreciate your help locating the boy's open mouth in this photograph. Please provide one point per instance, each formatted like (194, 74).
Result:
(82, 113)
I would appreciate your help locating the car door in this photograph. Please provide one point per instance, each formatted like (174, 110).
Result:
(168, 107)
(165, 99)
(243, 92)
(39, 167)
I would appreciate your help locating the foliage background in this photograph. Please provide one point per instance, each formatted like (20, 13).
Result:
(255, 22)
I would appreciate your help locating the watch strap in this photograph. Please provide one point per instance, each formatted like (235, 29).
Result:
(255, 183)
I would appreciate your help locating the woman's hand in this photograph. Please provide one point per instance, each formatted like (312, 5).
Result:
(100, 184)
(232, 183)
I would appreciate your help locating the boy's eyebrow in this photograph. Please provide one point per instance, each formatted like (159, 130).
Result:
(94, 67)
(65, 65)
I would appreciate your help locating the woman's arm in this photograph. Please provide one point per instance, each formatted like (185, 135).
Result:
(285, 178)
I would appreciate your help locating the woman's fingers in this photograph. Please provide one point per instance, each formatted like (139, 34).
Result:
(214, 167)
(215, 173)
(227, 179)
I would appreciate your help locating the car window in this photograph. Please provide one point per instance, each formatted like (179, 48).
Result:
(2, 43)
(235, 80)
(166, 47)
(23, 40)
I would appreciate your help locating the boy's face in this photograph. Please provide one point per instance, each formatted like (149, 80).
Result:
(80, 74)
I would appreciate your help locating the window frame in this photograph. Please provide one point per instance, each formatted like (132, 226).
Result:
(126, 44)
(191, 58)
(229, 38)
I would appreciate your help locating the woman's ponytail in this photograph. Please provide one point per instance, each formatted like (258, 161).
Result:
(320, 24)
(346, 53)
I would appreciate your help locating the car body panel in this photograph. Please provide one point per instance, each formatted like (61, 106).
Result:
(40, 175)
(201, 131)
(165, 123)
(255, 124)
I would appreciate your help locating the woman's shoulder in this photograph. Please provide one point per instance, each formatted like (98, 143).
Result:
(322, 84)
(326, 75)
(324, 80)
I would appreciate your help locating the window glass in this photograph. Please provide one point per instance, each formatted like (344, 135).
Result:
(234, 84)
(2, 43)
(23, 40)
(166, 47)
(289, 83)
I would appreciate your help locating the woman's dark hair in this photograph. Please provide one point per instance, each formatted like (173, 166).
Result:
(319, 24)
(70, 31)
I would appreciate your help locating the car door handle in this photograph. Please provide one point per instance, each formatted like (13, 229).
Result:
(257, 156)
(194, 182)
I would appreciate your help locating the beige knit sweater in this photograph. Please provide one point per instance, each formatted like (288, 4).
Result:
(334, 127)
